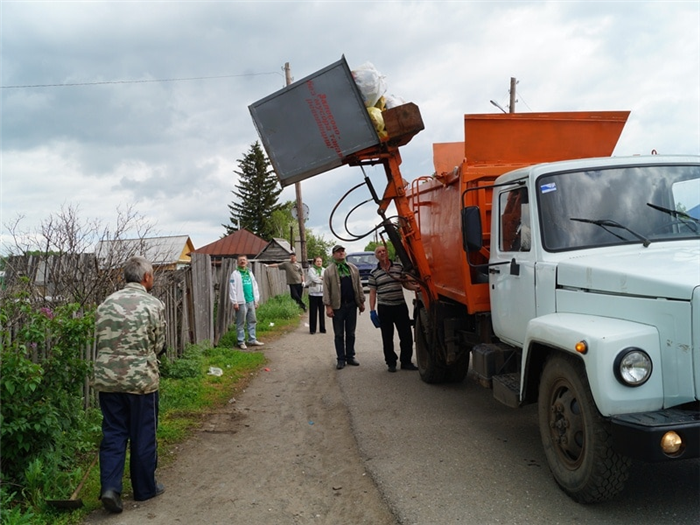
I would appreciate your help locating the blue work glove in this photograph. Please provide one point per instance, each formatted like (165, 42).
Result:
(375, 318)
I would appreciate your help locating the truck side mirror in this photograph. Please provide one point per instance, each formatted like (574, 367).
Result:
(472, 239)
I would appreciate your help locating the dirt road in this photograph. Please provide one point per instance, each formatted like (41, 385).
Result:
(281, 453)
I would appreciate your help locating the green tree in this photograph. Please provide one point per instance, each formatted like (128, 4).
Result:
(389, 248)
(282, 221)
(257, 194)
(318, 246)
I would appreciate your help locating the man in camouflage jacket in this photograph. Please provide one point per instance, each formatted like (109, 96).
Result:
(130, 332)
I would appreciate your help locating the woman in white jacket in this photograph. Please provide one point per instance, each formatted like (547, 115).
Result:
(315, 283)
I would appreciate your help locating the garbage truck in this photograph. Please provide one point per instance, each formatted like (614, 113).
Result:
(557, 274)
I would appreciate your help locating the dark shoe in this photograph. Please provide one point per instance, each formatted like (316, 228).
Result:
(340, 365)
(409, 366)
(323, 331)
(312, 333)
(160, 488)
(392, 368)
(111, 501)
(352, 361)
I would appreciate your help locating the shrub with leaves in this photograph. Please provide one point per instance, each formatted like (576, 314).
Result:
(41, 381)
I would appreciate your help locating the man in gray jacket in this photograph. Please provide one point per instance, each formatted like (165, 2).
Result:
(343, 295)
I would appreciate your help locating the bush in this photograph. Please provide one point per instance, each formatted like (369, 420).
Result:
(279, 307)
(42, 375)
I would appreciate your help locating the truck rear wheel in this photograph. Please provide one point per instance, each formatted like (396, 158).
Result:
(576, 438)
(430, 369)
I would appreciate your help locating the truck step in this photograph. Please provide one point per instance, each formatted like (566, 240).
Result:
(506, 389)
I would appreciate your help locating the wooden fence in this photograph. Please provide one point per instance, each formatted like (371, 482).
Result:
(197, 303)
(197, 306)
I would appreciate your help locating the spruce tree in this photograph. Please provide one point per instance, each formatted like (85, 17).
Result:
(256, 195)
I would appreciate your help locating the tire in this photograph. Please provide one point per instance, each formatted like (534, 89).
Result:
(430, 369)
(576, 438)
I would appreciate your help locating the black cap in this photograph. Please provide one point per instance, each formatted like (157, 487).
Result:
(338, 248)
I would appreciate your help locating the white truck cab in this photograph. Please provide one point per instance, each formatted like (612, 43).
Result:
(594, 276)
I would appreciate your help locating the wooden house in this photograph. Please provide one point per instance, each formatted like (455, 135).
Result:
(164, 253)
(277, 250)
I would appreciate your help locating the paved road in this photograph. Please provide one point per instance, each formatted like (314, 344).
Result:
(453, 455)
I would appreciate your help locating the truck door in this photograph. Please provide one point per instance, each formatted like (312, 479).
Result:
(512, 286)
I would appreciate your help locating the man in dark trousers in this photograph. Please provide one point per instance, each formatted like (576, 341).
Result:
(386, 283)
(343, 295)
(130, 332)
(295, 278)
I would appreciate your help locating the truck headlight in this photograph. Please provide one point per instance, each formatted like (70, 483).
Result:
(632, 367)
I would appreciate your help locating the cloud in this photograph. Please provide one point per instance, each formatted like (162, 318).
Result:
(170, 146)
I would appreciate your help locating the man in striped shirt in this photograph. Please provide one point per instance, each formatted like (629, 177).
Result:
(386, 284)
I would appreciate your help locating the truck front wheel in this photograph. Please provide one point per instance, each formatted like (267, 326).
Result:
(576, 438)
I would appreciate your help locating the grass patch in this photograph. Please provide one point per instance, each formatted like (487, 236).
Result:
(185, 401)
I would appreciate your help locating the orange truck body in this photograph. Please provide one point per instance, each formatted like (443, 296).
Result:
(493, 144)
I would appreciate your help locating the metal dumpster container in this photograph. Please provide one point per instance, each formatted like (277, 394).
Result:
(310, 126)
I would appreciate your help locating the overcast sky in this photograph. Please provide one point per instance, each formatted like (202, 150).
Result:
(169, 147)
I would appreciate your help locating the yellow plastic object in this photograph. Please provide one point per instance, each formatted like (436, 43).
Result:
(375, 115)
(381, 103)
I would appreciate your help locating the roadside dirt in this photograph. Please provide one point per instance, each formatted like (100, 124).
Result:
(282, 452)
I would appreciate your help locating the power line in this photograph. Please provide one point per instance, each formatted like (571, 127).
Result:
(72, 84)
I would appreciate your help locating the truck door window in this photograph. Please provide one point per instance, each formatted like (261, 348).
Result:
(515, 221)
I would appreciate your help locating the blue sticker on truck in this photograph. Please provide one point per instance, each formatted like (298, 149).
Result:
(550, 186)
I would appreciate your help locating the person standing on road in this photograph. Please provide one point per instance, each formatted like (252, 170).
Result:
(315, 282)
(386, 283)
(295, 278)
(129, 333)
(343, 295)
(244, 294)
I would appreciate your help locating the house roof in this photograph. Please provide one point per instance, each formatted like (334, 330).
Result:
(158, 250)
(284, 244)
(241, 242)
(276, 250)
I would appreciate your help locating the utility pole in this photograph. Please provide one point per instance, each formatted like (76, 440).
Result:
(297, 187)
(513, 82)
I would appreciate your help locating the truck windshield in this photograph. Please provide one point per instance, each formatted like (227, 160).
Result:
(621, 205)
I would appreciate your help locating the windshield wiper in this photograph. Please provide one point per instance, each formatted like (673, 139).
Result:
(686, 219)
(607, 223)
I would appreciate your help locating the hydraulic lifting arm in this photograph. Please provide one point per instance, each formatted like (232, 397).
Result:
(402, 124)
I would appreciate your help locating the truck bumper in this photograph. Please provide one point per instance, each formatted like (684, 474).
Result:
(639, 435)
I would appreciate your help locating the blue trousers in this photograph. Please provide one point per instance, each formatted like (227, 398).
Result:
(246, 318)
(129, 418)
(344, 324)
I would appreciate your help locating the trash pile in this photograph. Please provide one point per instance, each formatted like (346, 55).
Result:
(372, 86)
